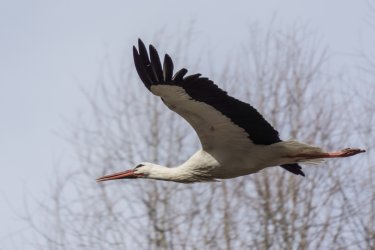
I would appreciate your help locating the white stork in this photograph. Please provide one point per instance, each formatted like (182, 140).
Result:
(236, 139)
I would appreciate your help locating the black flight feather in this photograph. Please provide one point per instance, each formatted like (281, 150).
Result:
(141, 70)
(155, 64)
(179, 75)
(167, 68)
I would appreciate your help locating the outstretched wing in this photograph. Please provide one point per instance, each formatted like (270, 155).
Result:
(218, 119)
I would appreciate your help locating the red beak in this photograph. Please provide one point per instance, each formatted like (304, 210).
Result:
(128, 174)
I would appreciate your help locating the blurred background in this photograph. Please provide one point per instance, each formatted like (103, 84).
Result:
(72, 109)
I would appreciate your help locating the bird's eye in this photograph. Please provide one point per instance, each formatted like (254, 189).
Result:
(139, 165)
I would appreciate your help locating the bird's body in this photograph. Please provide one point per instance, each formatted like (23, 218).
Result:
(236, 139)
(210, 166)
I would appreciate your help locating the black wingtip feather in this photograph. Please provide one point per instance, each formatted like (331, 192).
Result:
(167, 68)
(155, 64)
(192, 77)
(143, 55)
(294, 168)
(142, 72)
(179, 75)
(142, 49)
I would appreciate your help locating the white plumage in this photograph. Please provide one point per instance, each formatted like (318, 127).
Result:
(236, 139)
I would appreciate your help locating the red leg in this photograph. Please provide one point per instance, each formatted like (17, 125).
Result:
(342, 153)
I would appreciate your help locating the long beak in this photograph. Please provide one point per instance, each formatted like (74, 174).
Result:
(128, 174)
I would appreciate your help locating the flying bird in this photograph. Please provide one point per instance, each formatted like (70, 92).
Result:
(236, 139)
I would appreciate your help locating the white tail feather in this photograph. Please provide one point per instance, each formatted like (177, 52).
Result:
(292, 147)
(312, 161)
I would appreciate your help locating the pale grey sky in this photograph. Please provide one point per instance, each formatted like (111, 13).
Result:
(50, 49)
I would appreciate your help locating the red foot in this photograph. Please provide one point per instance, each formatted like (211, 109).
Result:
(347, 152)
(342, 153)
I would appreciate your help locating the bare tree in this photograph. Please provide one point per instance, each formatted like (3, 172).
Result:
(283, 74)
(361, 196)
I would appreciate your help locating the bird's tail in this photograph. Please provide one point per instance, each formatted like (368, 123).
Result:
(292, 147)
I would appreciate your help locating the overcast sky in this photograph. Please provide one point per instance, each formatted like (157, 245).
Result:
(49, 50)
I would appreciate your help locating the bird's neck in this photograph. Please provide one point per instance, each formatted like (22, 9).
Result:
(168, 174)
(178, 174)
(198, 168)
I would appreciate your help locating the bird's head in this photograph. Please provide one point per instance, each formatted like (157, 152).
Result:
(142, 170)
(154, 171)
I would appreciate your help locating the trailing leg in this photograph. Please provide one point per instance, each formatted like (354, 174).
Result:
(337, 154)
